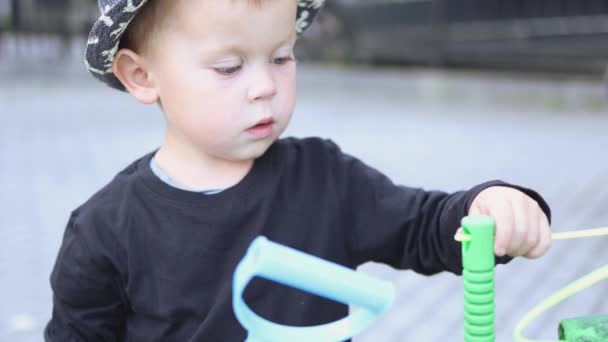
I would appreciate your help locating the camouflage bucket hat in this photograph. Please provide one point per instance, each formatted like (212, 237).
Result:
(116, 15)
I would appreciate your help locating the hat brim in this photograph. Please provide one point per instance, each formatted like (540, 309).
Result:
(104, 38)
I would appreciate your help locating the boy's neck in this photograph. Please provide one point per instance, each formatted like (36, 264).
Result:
(193, 169)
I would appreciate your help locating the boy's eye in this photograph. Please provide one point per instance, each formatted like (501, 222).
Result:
(282, 60)
(228, 70)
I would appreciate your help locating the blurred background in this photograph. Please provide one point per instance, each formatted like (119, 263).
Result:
(437, 94)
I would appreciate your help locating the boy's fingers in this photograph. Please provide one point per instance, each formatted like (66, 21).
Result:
(533, 229)
(521, 231)
(474, 210)
(532, 239)
(540, 249)
(544, 241)
(504, 229)
(458, 234)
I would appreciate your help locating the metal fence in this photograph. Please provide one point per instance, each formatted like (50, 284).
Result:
(562, 34)
(534, 34)
(34, 31)
(51, 16)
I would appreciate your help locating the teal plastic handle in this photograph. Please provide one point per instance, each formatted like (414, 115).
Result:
(303, 271)
(478, 274)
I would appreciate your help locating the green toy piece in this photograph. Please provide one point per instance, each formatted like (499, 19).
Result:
(478, 263)
(478, 273)
(584, 329)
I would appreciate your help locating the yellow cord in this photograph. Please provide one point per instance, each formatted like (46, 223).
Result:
(577, 234)
(581, 284)
(577, 286)
(581, 234)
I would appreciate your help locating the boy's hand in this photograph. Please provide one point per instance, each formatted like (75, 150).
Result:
(522, 228)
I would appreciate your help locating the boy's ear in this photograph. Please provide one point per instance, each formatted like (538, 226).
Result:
(130, 69)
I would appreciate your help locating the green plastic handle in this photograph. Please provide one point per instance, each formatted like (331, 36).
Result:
(478, 274)
(588, 329)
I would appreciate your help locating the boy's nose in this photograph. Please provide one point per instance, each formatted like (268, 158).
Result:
(262, 86)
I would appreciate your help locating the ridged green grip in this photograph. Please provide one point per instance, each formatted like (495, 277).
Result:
(478, 274)
(587, 329)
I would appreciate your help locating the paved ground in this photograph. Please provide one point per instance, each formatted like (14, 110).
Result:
(60, 140)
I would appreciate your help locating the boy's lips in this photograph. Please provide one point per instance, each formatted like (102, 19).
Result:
(262, 129)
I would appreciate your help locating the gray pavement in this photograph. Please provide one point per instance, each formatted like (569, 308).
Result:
(63, 137)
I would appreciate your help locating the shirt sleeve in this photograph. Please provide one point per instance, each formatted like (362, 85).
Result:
(87, 301)
(405, 227)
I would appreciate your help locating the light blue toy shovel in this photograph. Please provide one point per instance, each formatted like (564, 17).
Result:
(294, 268)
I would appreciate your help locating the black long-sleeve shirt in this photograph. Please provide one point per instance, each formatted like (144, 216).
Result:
(143, 261)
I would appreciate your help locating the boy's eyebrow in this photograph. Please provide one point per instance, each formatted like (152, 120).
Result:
(234, 47)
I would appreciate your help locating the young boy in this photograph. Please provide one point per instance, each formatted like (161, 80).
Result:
(150, 257)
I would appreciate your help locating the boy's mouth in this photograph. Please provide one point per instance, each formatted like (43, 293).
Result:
(262, 129)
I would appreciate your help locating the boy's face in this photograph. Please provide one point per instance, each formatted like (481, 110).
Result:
(222, 67)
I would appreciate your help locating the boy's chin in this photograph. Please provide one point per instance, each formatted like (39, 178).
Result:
(255, 149)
